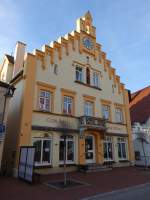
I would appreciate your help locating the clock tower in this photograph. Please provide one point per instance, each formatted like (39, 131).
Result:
(88, 34)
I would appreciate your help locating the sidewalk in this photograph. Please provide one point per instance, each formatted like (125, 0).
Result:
(98, 182)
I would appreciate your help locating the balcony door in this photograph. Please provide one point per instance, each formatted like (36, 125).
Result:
(90, 149)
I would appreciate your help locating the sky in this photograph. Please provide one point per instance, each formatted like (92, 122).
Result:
(122, 28)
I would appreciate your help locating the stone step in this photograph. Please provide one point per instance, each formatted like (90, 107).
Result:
(94, 168)
(98, 167)
(98, 170)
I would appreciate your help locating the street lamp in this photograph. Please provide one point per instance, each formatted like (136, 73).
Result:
(9, 93)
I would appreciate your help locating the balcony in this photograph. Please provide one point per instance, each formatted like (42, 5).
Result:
(92, 123)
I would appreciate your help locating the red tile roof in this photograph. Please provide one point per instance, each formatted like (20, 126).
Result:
(140, 105)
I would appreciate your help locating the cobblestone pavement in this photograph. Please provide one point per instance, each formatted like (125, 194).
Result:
(97, 183)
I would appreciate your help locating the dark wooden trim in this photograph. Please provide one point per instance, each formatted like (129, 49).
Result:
(87, 85)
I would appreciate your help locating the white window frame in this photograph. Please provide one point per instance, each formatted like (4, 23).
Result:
(41, 163)
(119, 115)
(106, 112)
(79, 70)
(66, 104)
(121, 140)
(109, 140)
(67, 140)
(88, 108)
(96, 80)
(47, 97)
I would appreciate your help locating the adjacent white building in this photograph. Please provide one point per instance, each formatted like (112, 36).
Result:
(140, 118)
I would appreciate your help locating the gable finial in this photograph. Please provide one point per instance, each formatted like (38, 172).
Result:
(85, 24)
(88, 16)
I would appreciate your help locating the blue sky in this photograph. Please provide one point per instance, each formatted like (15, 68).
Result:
(123, 30)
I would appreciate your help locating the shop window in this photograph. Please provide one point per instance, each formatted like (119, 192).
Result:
(42, 151)
(66, 150)
(108, 149)
(122, 154)
(137, 155)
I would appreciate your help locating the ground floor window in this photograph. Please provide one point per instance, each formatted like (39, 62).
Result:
(67, 150)
(122, 154)
(43, 148)
(137, 155)
(108, 149)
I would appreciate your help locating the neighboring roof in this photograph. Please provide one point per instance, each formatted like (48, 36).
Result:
(140, 105)
(10, 58)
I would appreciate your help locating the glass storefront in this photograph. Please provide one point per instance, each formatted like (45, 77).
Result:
(122, 155)
(42, 151)
(67, 150)
(108, 149)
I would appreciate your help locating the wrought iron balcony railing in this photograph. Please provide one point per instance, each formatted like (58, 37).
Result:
(92, 123)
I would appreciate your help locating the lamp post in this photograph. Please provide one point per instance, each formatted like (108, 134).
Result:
(65, 172)
(9, 93)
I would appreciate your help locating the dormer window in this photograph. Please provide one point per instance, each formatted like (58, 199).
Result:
(79, 74)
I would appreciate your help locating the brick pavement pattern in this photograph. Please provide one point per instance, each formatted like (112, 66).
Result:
(99, 182)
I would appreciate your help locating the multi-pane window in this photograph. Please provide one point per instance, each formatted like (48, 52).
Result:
(43, 149)
(122, 148)
(68, 105)
(106, 112)
(45, 100)
(108, 149)
(79, 74)
(95, 79)
(119, 115)
(67, 150)
(88, 108)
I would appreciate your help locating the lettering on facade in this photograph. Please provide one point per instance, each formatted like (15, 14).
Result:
(61, 123)
(113, 128)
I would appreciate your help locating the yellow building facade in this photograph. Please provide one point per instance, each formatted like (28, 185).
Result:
(68, 88)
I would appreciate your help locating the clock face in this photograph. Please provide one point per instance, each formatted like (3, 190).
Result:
(87, 42)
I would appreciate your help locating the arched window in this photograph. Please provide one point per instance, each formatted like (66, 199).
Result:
(88, 75)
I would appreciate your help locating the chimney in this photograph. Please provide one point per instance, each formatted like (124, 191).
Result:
(19, 57)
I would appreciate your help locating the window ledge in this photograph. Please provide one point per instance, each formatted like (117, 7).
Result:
(53, 113)
(85, 84)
